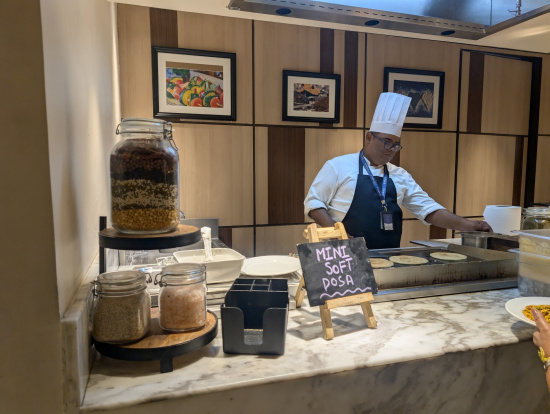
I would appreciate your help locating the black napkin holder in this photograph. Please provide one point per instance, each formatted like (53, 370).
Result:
(254, 317)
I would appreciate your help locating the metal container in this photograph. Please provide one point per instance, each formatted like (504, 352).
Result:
(533, 274)
(476, 239)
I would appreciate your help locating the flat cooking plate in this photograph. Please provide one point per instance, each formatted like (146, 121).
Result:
(419, 252)
(481, 270)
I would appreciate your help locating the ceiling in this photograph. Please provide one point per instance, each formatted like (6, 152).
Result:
(485, 12)
(487, 20)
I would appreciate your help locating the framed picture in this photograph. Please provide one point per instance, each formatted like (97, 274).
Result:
(311, 97)
(425, 88)
(194, 84)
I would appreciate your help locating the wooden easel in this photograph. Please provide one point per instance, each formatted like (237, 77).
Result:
(316, 234)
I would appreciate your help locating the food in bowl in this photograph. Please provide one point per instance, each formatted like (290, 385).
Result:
(544, 309)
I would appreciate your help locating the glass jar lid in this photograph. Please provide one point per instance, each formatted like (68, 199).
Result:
(143, 125)
(155, 127)
(536, 211)
(182, 273)
(121, 283)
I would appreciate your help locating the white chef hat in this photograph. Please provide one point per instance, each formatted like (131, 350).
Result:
(390, 113)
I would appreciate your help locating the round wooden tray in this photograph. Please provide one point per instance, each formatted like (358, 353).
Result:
(162, 345)
(184, 235)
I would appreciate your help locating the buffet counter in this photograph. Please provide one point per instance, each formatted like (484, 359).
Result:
(448, 354)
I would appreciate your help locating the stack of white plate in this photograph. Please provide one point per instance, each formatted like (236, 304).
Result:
(261, 267)
(279, 267)
(215, 293)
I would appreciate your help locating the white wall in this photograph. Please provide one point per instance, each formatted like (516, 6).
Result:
(58, 112)
(82, 109)
(30, 369)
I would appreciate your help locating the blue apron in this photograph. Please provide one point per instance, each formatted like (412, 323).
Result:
(363, 216)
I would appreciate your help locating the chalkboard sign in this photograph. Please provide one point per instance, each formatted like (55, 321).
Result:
(335, 269)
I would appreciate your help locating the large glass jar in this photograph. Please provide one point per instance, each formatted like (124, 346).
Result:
(122, 307)
(182, 297)
(536, 218)
(145, 178)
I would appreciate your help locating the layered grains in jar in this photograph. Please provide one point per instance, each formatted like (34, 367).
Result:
(144, 170)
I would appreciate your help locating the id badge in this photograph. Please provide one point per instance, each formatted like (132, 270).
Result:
(386, 220)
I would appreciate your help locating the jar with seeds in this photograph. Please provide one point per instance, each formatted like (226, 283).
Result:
(144, 172)
(122, 307)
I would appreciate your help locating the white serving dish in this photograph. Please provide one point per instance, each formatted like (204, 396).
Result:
(515, 306)
(271, 265)
(534, 241)
(225, 266)
(533, 274)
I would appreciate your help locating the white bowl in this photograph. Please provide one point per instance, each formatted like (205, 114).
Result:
(225, 266)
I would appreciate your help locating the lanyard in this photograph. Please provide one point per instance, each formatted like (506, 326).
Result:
(381, 194)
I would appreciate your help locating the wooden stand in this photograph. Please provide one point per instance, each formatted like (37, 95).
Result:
(109, 238)
(162, 345)
(316, 234)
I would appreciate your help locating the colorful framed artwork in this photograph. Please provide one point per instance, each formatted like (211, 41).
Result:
(425, 88)
(311, 97)
(194, 84)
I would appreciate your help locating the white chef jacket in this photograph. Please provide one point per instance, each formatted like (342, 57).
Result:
(334, 187)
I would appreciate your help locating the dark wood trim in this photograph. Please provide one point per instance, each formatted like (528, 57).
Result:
(225, 234)
(286, 174)
(475, 92)
(518, 171)
(326, 56)
(457, 135)
(502, 55)
(365, 86)
(254, 210)
(326, 51)
(494, 134)
(351, 71)
(438, 232)
(533, 138)
(303, 126)
(164, 27)
(396, 160)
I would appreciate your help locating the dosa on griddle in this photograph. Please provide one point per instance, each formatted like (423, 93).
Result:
(454, 257)
(377, 263)
(408, 260)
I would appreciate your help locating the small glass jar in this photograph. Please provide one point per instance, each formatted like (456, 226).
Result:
(536, 218)
(144, 170)
(122, 308)
(182, 297)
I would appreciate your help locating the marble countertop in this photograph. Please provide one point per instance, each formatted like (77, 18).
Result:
(407, 330)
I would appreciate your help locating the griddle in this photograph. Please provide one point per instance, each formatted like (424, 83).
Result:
(481, 270)
(421, 252)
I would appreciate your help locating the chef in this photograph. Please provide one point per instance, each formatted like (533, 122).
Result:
(366, 193)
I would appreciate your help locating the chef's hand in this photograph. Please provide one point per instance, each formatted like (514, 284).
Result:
(541, 337)
(478, 225)
(444, 218)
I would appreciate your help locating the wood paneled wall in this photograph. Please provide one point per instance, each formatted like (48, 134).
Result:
(253, 174)
(485, 173)
(430, 159)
